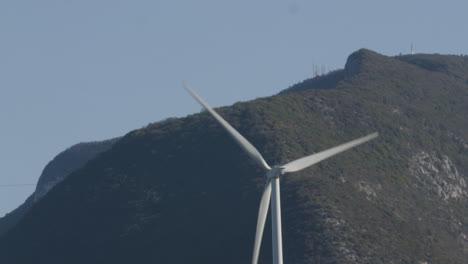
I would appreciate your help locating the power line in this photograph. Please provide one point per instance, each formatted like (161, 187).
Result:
(17, 185)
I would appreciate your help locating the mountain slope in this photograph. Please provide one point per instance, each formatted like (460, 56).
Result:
(182, 191)
(56, 171)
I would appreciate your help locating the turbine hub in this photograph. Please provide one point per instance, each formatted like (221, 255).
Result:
(275, 172)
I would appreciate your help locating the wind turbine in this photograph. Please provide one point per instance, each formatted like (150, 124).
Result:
(272, 180)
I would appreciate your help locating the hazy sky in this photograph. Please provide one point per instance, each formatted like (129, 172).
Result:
(84, 70)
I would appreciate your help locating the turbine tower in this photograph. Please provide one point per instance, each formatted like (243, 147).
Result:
(272, 185)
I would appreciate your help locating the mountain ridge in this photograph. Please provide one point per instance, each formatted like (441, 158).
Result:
(54, 172)
(163, 193)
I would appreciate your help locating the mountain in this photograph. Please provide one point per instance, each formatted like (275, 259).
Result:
(181, 191)
(56, 171)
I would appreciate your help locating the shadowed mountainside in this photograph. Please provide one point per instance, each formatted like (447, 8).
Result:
(182, 191)
(56, 171)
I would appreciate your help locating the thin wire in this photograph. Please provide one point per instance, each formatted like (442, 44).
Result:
(16, 185)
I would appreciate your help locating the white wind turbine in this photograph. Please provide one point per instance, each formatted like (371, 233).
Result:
(272, 180)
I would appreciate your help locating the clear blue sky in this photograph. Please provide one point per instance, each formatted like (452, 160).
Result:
(84, 70)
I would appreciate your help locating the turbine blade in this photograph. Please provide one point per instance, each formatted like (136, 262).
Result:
(310, 160)
(262, 214)
(249, 148)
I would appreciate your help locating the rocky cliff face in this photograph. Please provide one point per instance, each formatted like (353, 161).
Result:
(182, 191)
(67, 162)
(436, 172)
(56, 171)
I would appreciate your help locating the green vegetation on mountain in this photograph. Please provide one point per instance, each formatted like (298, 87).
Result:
(156, 196)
